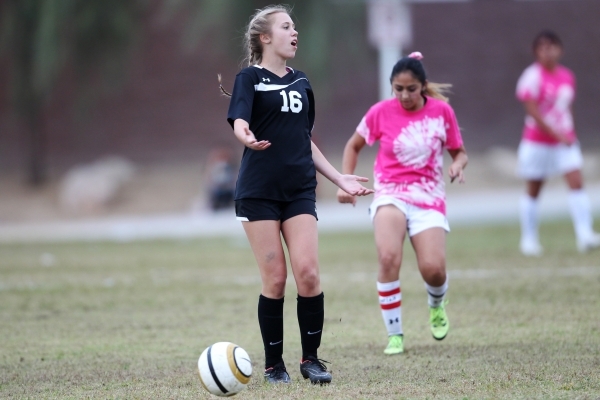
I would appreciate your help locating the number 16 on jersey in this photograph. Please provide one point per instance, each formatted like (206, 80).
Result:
(295, 104)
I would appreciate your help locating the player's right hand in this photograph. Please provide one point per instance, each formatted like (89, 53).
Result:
(251, 142)
(344, 197)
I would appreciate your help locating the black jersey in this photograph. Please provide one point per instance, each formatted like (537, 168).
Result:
(282, 111)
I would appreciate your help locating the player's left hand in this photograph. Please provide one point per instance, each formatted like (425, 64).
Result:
(456, 172)
(351, 185)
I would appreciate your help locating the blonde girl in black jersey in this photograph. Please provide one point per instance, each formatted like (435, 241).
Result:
(272, 113)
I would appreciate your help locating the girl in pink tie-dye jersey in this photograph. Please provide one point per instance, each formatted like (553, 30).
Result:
(413, 129)
(549, 145)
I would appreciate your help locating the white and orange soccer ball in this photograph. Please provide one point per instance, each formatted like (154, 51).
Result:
(224, 369)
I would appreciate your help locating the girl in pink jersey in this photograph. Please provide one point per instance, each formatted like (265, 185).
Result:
(413, 129)
(549, 145)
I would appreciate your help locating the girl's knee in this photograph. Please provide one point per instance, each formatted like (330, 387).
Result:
(389, 260)
(275, 285)
(308, 278)
(433, 271)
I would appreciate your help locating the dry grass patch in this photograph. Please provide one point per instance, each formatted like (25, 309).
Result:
(128, 321)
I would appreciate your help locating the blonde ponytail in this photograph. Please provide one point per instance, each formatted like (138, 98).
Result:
(438, 90)
(225, 92)
(260, 24)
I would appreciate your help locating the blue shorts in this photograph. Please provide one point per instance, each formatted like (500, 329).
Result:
(273, 210)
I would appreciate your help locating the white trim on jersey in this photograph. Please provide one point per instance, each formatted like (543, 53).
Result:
(261, 87)
(286, 67)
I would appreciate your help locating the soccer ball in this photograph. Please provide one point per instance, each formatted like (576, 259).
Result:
(224, 369)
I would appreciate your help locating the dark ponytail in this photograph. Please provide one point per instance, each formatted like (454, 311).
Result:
(413, 64)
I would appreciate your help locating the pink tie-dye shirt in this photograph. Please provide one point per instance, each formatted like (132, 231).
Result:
(553, 92)
(409, 164)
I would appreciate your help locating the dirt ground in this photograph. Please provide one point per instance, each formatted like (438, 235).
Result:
(178, 187)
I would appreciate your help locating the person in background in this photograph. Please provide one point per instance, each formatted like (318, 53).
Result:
(549, 145)
(220, 178)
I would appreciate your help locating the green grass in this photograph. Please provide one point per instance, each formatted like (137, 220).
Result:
(129, 321)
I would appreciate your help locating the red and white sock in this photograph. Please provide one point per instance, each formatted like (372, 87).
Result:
(390, 301)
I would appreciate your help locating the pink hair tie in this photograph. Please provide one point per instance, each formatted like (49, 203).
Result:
(416, 55)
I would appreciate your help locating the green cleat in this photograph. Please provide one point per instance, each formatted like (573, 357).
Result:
(439, 321)
(395, 345)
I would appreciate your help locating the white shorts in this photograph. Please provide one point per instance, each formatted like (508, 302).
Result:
(417, 219)
(539, 160)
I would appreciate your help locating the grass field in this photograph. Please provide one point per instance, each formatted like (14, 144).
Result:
(129, 321)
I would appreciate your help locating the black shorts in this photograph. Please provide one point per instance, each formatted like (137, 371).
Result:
(262, 209)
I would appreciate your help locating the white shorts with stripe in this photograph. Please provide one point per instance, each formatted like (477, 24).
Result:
(538, 161)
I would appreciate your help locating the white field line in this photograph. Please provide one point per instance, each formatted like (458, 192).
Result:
(471, 274)
(563, 272)
(165, 279)
(465, 274)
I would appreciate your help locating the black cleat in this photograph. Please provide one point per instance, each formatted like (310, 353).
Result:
(313, 368)
(277, 374)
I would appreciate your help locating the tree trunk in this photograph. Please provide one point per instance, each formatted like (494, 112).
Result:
(36, 167)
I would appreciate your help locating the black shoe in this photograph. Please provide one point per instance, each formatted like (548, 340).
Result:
(313, 368)
(277, 374)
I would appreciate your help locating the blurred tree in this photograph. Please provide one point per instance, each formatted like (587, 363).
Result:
(41, 39)
(204, 17)
(327, 28)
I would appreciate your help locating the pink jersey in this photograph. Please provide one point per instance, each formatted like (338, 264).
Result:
(553, 92)
(409, 164)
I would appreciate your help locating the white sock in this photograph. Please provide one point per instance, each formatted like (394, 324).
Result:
(390, 301)
(579, 205)
(436, 295)
(528, 213)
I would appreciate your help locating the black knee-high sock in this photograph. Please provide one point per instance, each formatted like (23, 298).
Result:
(310, 318)
(270, 319)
